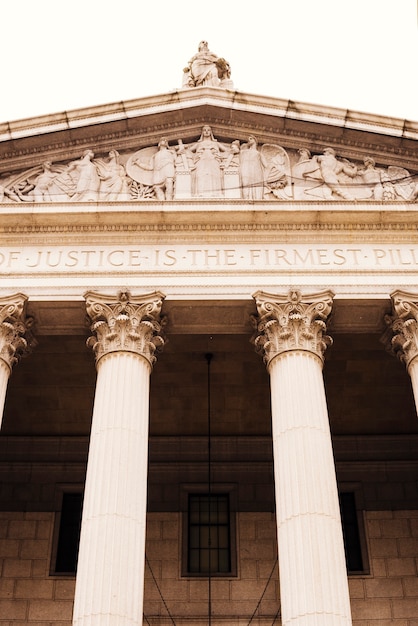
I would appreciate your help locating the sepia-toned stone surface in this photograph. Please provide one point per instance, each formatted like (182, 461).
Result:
(209, 168)
(112, 538)
(207, 195)
(290, 332)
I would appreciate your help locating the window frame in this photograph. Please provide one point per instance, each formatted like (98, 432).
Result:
(220, 489)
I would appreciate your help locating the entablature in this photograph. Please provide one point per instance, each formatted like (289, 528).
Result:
(204, 217)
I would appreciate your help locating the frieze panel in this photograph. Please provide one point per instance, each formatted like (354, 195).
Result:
(192, 259)
(211, 169)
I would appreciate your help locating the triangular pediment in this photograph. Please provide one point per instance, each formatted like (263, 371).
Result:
(256, 148)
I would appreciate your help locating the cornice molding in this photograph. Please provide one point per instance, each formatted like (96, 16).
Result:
(223, 99)
(201, 227)
(144, 121)
(28, 156)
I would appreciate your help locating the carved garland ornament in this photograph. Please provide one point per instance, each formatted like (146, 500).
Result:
(292, 322)
(126, 323)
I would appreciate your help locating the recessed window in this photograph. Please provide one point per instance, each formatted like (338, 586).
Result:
(351, 533)
(68, 534)
(209, 535)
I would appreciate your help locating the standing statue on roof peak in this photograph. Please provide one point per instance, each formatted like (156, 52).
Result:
(205, 69)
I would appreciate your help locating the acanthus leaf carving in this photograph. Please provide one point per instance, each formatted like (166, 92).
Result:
(401, 337)
(291, 322)
(126, 323)
(16, 337)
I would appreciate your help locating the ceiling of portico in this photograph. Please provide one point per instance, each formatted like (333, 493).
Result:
(51, 392)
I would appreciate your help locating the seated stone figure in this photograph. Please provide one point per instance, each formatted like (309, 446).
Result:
(205, 69)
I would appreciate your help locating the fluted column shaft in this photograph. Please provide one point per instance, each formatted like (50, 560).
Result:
(110, 571)
(13, 326)
(313, 575)
(413, 372)
(4, 379)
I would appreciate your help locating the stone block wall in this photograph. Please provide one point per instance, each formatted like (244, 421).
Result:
(233, 600)
(29, 596)
(389, 596)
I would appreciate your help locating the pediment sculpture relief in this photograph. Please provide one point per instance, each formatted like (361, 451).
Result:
(211, 169)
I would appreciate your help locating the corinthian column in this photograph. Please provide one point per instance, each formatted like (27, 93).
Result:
(290, 334)
(110, 572)
(13, 326)
(401, 337)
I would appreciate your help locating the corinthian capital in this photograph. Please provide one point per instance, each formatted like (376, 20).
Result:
(401, 338)
(13, 326)
(291, 322)
(125, 323)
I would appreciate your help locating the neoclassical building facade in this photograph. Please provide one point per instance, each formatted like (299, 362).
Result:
(208, 363)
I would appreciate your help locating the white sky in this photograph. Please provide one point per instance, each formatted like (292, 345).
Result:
(59, 55)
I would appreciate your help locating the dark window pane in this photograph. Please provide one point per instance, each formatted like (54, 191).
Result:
(351, 533)
(224, 561)
(194, 537)
(223, 537)
(69, 533)
(194, 561)
(204, 536)
(209, 534)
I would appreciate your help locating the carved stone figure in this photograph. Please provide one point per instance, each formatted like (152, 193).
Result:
(88, 183)
(207, 69)
(302, 175)
(331, 169)
(332, 175)
(161, 164)
(251, 170)
(372, 178)
(209, 168)
(113, 180)
(276, 171)
(61, 186)
(207, 179)
(233, 159)
(42, 191)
